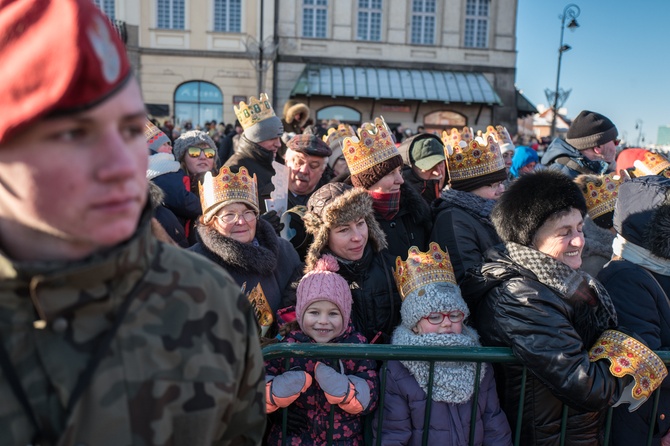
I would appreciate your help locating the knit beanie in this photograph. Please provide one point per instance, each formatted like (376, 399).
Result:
(156, 138)
(336, 204)
(590, 129)
(530, 201)
(192, 138)
(323, 283)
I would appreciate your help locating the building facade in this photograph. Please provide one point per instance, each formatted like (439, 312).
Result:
(431, 63)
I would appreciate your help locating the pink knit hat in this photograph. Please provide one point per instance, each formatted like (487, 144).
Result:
(323, 283)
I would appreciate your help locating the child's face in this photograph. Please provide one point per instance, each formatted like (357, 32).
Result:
(446, 326)
(322, 321)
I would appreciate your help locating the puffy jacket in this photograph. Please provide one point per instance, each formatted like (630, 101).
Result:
(576, 162)
(540, 326)
(405, 411)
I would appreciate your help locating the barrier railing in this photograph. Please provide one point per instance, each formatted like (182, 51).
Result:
(385, 353)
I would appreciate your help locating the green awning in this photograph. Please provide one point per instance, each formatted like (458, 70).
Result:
(392, 83)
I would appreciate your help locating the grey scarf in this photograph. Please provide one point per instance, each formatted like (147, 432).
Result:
(453, 382)
(564, 280)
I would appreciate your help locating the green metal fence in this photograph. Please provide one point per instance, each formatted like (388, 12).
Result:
(431, 354)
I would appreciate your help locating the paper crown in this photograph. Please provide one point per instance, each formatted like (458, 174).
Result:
(601, 195)
(423, 268)
(469, 157)
(628, 356)
(338, 134)
(256, 111)
(373, 146)
(652, 164)
(502, 137)
(228, 187)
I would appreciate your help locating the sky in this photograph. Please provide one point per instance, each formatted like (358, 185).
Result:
(619, 64)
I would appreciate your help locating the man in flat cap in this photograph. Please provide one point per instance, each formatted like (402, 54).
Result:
(589, 147)
(109, 337)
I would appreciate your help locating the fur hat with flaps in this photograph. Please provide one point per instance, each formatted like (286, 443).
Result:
(427, 284)
(531, 201)
(336, 204)
(642, 214)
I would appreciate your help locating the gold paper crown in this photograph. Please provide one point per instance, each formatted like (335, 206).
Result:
(422, 268)
(652, 164)
(469, 157)
(628, 356)
(338, 134)
(256, 111)
(601, 199)
(373, 146)
(228, 187)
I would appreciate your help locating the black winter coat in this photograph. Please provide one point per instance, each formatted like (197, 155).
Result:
(540, 326)
(642, 307)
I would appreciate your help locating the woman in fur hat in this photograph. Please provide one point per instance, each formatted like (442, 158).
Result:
(231, 234)
(638, 280)
(342, 222)
(433, 314)
(533, 298)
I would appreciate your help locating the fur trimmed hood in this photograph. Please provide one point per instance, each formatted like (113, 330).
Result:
(333, 205)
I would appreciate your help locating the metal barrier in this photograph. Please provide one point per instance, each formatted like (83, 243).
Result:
(385, 353)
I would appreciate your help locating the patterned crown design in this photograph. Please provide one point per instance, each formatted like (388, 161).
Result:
(652, 164)
(423, 268)
(228, 186)
(601, 196)
(256, 111)
(373, 146)
(338, 134)
(628, 356)
(469, 157)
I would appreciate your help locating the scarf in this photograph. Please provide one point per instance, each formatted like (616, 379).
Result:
(386, 205)
(454, 382)
(480, 208)
(640, 256)
(567, 282)
(161, 163)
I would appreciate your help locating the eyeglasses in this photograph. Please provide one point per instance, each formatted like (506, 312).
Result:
(437, 318)
(194, 152)
(233, 217)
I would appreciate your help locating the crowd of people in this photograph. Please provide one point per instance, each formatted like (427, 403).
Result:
(142, 270)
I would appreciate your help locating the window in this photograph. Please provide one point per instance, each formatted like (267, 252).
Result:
(198, 102)
(314, 18)
(423, 22)
(227, 15)
(170, 14)
(477, 23)
(369, 20)
(106, 6)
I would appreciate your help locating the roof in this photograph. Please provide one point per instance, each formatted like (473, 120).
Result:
(394, 83)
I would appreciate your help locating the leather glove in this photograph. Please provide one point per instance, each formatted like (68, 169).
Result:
(284, 389)
(273, 218)
(349, 392)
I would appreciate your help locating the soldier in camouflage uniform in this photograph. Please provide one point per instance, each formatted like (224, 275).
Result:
(107, 336)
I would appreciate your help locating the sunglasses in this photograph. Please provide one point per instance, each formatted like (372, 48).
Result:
(194, 152)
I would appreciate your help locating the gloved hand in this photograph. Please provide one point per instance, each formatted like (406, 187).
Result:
(273, 218)
(282, 390)
(349, 392)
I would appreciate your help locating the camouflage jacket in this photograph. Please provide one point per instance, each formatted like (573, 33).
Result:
(184, 368)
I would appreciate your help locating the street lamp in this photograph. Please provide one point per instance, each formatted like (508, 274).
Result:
(570, 12)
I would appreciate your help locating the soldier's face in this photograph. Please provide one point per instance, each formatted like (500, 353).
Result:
(74, 184)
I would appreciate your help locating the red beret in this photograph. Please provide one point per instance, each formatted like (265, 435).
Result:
(55, 56)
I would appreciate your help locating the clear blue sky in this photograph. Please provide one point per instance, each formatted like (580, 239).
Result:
(619, 64)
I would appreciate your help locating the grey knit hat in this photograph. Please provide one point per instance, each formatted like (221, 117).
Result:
(590, 129)
(192, 138)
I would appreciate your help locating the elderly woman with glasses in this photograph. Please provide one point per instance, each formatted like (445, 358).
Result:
(231, 234)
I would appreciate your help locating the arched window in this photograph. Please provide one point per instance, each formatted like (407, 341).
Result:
(198, 102)
(341, 113)
(441, 120)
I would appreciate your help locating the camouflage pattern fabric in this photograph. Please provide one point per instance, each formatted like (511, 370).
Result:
(185, 367)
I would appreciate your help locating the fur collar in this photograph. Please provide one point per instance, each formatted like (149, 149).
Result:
(242, 257)
(454, 382)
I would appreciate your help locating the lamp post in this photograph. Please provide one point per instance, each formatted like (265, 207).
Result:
(571, 12)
